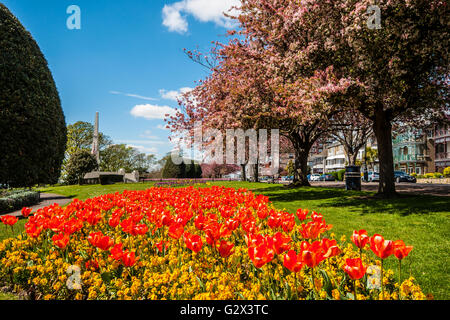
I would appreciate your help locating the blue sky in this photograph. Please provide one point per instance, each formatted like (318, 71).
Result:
(126, 61)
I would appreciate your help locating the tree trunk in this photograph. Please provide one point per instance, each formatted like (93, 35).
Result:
(256, 172)
(383, 131)
(244, 174)
(301, 167)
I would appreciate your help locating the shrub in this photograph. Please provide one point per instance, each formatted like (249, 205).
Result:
(32, 124)
(78, 165)
(173, 171)
(429, 175)
(335, 175)
(447, 172)
(16, 200)
(341, 175)
(437, 175)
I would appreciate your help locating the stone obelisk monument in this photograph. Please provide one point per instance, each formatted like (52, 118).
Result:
(95, 147)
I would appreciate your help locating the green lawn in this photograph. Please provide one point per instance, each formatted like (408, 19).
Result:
(421, 221)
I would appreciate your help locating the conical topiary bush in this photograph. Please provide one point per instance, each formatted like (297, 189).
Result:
(32, 125)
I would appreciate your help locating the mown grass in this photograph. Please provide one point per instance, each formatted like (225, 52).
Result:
(421, 221)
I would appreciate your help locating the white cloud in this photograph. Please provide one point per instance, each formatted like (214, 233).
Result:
(174, 95)
(149, 111)
(144, 142)
(144, 149)
(148, 135)
(133, 95)
(162, 127)
(201, 10)
(172, 18)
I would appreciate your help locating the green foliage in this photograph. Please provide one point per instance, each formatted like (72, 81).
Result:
(16, 200)
(198, 171)
(32, 124)
(341, 175)
(171, 170)
(79, 138)
(290, 168)
(119, 156)
(447, 172)
(437, 175)
(335, 175)
(188, 169)
(79, 164)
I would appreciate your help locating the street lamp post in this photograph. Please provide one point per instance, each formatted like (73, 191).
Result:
(366, 173)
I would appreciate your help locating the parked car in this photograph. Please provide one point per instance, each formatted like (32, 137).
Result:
(315, 177)
(373, 177)
(327, 177)
(400, 176)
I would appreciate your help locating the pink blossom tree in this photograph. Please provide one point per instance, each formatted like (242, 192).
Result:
(397, 70)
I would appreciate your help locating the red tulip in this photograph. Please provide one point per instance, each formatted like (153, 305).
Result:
(401, 251)
(360, 238)
(26, 212)
(128, 226)
(33, 230)
(288, 223)
(117, 252)
(60, 240)
(140, 229)
(72, 226)
(281, 243)
(312, 254)
(261, 251)
(193, 242)
(330, 248)
(176, 231)
(354, 268)
(382, 248)
(302, 214)
(274, 221)
(92, 265)
(292, 261)
(9, 220)
(313, 229)
(232, 224)
(94, 217)
(114, 221)
(162, 245)
(98, 240)
(129, 258)
(225, 248)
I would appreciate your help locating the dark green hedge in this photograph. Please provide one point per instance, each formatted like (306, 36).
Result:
(32, 124)
(17, 200)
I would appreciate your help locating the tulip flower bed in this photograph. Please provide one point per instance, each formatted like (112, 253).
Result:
(194, 243)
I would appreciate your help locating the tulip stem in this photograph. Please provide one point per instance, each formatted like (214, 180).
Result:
(399, 278)
(313, 283)
(296, 285)
(354, 285)
(381, 281)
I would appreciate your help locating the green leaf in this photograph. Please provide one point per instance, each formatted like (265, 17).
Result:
(107, 277)
(327, 286)
(200, 282)
(83, 254)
